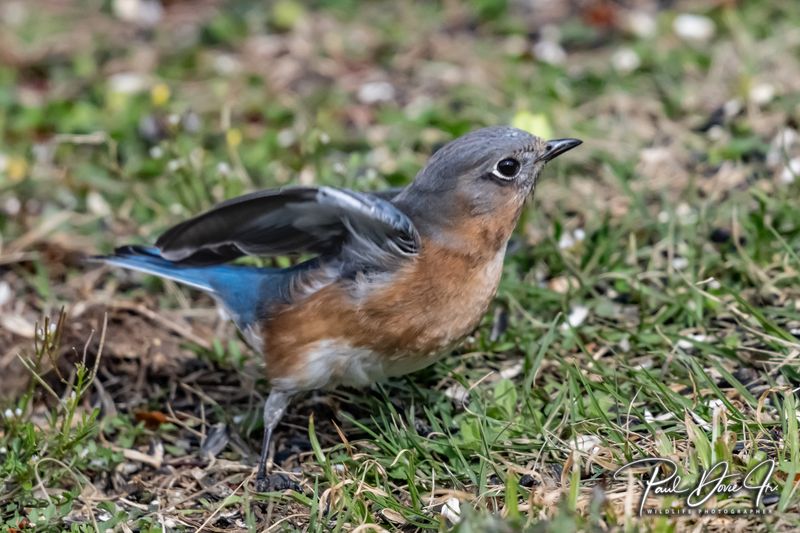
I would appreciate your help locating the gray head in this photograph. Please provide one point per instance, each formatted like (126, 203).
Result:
(487, 171)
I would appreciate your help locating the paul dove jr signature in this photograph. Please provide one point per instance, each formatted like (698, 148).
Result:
(664, 480)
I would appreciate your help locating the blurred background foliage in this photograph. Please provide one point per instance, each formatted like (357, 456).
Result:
(660, 257)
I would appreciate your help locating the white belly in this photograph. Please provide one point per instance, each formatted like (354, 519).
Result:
(333, 362)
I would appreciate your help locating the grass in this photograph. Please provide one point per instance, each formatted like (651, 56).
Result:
(649, 305)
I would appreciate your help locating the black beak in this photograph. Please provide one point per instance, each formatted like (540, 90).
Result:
(556, 147)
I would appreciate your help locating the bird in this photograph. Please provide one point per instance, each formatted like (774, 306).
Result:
(396, 278)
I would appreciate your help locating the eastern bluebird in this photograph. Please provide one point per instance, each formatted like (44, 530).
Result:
(398, 278)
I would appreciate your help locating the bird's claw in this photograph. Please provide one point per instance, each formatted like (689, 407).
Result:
(262, 484)
(275, 482)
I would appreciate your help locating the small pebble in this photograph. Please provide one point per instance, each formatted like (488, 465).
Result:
(696, 28)
(549, 52)
(783, 142)
(687, 344)
(145, 13)
(127, 83)
(641, 24)
(97, 204)
(376, 92)
(791, 171)
(625, 60)
(223, 168)
(762, 94)
(586, 443)
(451, 511)
(576, 317)
(566, 241)
(286, 138)
(679, 263)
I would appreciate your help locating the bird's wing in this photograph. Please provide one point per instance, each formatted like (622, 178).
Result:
(360, 226)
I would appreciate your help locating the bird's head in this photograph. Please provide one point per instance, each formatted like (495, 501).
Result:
(486, 172)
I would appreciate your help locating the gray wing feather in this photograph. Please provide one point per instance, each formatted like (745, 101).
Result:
(321, 220)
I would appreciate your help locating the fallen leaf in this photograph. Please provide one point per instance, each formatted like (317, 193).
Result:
(151, 419)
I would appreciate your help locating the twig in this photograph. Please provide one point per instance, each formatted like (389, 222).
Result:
(74, 475)
(18, 257)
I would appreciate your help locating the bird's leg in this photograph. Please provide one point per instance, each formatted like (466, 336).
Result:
(274, 407)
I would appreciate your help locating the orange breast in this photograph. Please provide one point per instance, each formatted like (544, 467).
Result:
(406, 320)
(358, 331)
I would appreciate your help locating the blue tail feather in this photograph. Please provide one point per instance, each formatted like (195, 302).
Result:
(245, 292)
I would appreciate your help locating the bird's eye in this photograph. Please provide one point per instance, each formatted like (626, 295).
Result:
(507, 168)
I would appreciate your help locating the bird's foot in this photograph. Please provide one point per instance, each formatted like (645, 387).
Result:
(262, 484)
(275, 483)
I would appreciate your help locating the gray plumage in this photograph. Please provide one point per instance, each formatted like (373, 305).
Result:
(324, 220)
